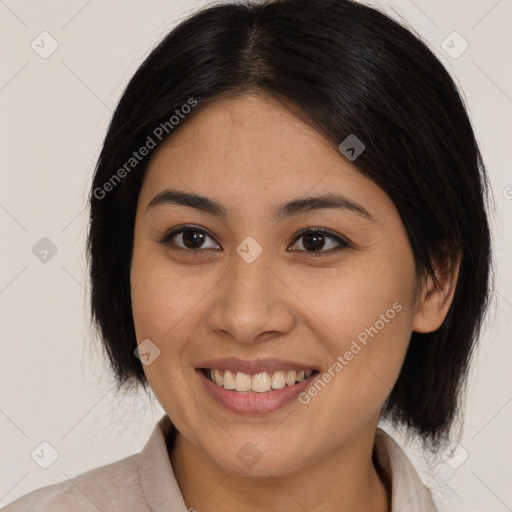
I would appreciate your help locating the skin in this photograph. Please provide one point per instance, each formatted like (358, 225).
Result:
(251, 154)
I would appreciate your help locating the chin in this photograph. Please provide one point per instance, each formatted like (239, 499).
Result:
(244, 457)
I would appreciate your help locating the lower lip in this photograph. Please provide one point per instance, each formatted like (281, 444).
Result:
(252, 402)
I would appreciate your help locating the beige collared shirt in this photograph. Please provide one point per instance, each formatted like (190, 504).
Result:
(145, 482)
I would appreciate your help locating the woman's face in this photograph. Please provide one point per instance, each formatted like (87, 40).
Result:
(245, 290)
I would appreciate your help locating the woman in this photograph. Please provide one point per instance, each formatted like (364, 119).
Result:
(288, 242)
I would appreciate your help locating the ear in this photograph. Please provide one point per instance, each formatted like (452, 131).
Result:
(436, 298)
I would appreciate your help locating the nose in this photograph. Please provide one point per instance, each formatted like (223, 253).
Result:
(251, 303)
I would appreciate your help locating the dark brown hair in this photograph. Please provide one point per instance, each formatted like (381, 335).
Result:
(348, 69)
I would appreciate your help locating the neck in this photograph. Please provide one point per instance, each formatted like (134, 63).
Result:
(344, 480)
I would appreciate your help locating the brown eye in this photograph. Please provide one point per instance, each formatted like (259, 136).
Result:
(319, 241)
(190, 238)
(315, 242)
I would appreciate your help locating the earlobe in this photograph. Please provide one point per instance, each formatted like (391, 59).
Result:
(436, 297)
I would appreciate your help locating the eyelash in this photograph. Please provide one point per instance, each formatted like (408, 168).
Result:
(166, 240)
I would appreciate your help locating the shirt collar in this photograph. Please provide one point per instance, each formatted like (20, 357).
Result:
(156, 476)
(408, 493)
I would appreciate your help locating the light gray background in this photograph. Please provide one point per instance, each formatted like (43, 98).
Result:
(55, 384)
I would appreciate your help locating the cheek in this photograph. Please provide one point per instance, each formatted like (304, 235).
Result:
(352, 297)
(166, 305)
(160, 308)
(364, 314)
(152, 303)
(158, 293)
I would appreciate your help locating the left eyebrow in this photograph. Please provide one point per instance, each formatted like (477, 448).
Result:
(293, 207)
(324, 201)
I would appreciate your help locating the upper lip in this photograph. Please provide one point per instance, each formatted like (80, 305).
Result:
(269, 364)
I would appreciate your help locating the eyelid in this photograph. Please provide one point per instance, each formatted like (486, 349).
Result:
(317, 229)
(185, 227)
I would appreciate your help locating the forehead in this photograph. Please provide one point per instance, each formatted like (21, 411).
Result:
(247, 145)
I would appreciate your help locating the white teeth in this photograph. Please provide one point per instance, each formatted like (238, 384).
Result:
(278, 380)
(242, 382)
(217, 377)
(259, 382)
(290, 378)
(229, 380)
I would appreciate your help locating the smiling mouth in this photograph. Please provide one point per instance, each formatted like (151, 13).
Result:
(260, 382)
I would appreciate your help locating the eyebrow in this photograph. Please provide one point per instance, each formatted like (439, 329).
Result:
(293, 207)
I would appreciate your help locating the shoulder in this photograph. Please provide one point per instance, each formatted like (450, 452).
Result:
(114, 485)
